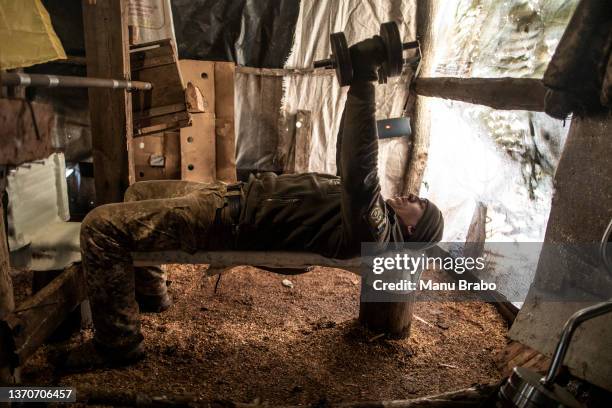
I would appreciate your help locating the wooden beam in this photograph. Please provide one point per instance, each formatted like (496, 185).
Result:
(38, 317)
(477, 396)
(469, 397)
(392, 318)
(497, 93)
(7, 302)
(226, 259)
(25, 131)
(163, 108)
(300, 150)
(225, 141)
(420, 117)
(516, 354)
(107, 48)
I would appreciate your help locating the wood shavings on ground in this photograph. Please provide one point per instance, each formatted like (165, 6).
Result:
(255, 339)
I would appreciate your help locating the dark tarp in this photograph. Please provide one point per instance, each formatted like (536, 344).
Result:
(67, 19)
(255, 33)
(580, 72)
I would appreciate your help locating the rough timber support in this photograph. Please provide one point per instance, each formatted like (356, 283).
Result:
(394, 318)
(497, 93)
(7, 303)
(107, 48)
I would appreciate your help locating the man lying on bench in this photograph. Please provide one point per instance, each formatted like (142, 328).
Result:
(319, 213)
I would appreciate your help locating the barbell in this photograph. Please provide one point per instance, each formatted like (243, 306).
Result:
(340, 58)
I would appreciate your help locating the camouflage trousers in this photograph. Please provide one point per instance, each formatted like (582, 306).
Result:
(155, 216)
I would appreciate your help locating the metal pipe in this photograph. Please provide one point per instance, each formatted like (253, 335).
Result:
(63, 81)
(324, 63)
(410, 45)
(568, 331)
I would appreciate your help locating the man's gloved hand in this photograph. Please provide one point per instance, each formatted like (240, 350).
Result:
(366, 57)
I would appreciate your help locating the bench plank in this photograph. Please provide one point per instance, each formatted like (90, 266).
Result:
(225, 259)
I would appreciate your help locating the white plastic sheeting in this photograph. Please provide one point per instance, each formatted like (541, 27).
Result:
(504, 159)
(37, 215)
(491, 38)
(322, 96)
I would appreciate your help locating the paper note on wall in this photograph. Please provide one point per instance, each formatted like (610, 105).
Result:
(26, 35)
(151, 20)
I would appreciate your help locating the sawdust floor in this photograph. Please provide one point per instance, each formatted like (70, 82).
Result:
(257, 339)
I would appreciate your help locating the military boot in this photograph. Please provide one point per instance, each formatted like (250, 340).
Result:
(153, 303)
(152, 289)
(91, 355)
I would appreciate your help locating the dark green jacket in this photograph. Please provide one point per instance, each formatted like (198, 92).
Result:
(321, 213)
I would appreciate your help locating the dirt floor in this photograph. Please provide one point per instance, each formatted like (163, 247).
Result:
(256, 339)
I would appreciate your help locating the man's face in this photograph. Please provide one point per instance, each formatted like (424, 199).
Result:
(409, 210)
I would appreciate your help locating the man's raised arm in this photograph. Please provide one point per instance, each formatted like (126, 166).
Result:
(364, 215)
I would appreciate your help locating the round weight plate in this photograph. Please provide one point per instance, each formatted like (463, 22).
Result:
(342, 58)
(395, 57)
(523, 389)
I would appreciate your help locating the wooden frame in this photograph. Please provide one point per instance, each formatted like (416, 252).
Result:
(37, 317)
(163, 108)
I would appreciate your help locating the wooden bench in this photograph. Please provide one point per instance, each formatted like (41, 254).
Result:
(392, 318)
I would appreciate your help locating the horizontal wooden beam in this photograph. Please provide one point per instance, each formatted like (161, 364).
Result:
(38, 316)
(469, 397)
(226, 259)
(498, 93)
(25, 131)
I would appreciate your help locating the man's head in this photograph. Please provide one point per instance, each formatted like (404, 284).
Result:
(421, 220)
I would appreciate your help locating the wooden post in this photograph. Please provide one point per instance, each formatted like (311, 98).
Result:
(7, 302)
(417, 157)
(107, 48)
(394, 318)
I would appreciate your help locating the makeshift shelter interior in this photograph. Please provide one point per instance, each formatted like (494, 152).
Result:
(234, 93)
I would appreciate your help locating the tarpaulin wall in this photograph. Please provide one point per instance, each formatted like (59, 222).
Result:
(254, 33)
(321, 94)
(263, 34)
